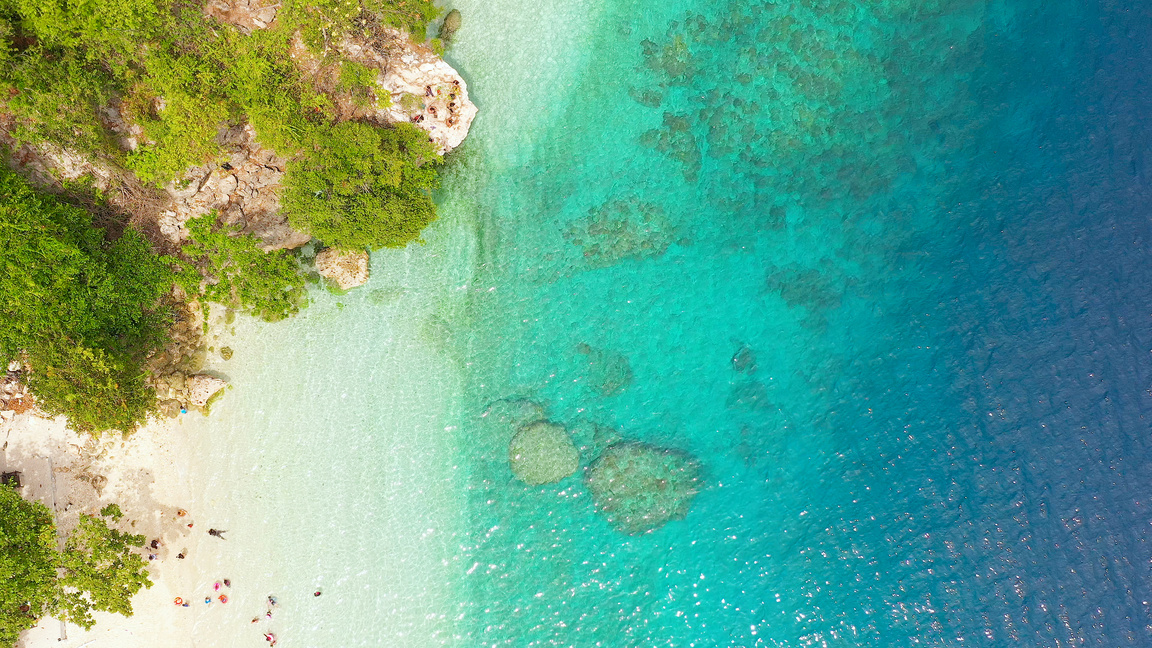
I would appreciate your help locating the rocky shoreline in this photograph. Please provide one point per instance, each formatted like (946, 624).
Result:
(244, 188)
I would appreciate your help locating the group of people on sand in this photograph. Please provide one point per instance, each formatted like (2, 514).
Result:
(156, 543)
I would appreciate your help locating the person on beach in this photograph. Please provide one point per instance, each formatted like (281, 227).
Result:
(219, 533)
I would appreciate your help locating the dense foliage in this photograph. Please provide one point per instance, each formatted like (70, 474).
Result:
(99, 570)
(96, 571)
(28, 560)
(362, 187)
(179, 74)
(228, 267)
(86, 311)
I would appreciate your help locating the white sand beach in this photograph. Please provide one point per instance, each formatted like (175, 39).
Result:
(329, 463)
(149, 477)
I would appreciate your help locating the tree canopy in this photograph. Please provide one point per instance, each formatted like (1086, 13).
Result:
(86, 310)
(96, 571)
(363, 187)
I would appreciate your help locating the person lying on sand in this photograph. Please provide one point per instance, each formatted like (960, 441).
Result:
(219, 533)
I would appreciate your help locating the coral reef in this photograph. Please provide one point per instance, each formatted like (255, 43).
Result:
(639, 487)
(770, 101)
(609, 373)
(622, 229)
(749, 395)
(542, 453)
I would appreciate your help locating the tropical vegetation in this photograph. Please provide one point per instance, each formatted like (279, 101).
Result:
(96, 571)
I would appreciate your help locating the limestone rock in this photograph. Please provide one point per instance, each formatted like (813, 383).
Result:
(639, 487)
(542, 453)
(245, 191)
(170, 408)
(247, 15)
(202, 387)
(348, 269)
(425, 90)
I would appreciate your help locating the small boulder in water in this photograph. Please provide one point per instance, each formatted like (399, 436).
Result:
(542, 453)
(201, 388)
(639, 487)
(451, 25)
(744, 360)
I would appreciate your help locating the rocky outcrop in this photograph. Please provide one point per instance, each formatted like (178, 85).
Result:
(542, 453)
(245, 190)
(14, 396)
(347, 270)
(202, 387)
(639, 487)
(422, 88)
(247, 15)
(425, 90)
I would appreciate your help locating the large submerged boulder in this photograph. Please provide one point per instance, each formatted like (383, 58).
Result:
(542, 453)
(639, 487)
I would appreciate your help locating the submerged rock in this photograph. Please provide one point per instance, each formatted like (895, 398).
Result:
(201, 388)
(347, 270)
(744, 360)
(639, 487)
(622, 229)
(542, 453)
(451, 25)
(609, 373)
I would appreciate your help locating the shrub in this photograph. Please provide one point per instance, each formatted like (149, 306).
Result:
(228, 267)
(363, 187)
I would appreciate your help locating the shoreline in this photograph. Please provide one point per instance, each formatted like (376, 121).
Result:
(330, 463)
(145, 476)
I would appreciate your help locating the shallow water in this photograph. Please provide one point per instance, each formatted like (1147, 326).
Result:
(926, 221)
(330, 464)
(880, 267)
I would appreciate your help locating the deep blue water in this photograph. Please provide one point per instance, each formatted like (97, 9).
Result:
(929, 224)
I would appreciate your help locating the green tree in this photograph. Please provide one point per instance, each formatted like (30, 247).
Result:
(97, 570)
(87, 311)
(28, 561)
(100, 572)
(228, 267)
(362, 187)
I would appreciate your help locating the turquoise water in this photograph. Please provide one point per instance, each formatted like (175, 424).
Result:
(926, 223)
(881, 268)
